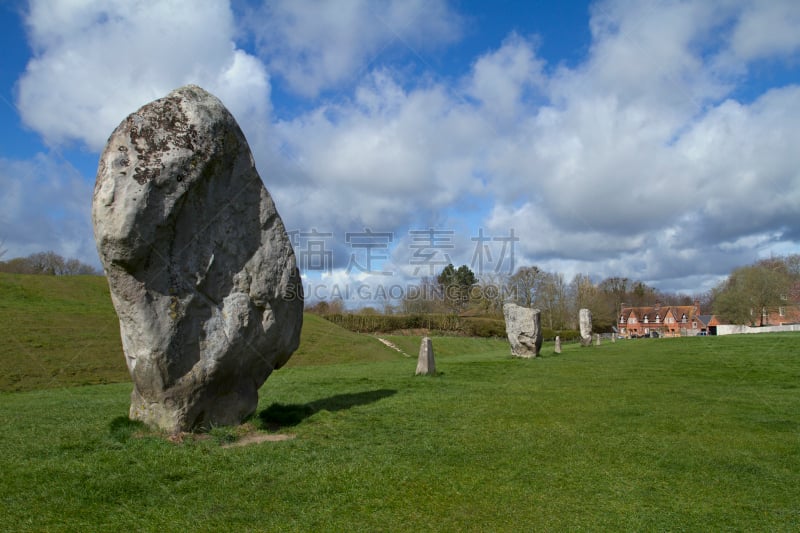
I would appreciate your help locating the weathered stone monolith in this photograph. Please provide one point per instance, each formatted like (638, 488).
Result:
(558, 344)
(200, 267)
(585, 322)
(426, 366)
(523, 330)
(597, 339)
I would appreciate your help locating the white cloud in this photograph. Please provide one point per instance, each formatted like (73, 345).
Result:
(385, 157)
(97, 61)
(639, 161)
(45, 206)
(746, 166)
(500, 79)
(767, 29)
(636, 166)
(316, 45)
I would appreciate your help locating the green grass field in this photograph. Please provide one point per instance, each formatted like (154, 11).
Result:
(695, 434)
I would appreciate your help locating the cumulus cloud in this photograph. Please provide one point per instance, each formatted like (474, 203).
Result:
(639, 163)
(384, 158)
(96, 61)
(635, 162)
(45, 206)
(640, 160)
(316, 45)
(767, 29)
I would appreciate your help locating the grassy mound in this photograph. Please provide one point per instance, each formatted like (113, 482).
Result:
(58, 332)
(63, 331)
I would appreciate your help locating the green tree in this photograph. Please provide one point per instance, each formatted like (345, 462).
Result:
(456, 284)
(489, 299)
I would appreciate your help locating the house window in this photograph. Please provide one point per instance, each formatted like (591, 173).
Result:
(684, 318)
(646, 319)
(694, 325)
(658, 318)
(622, 320)
(782, 311)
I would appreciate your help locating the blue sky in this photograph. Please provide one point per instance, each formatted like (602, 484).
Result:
(650, 139)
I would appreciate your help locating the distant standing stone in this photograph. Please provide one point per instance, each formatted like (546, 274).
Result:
(585, 322)
(558, 344)
(523, 328)
(597, 339)
(201, 270)
(426, 366)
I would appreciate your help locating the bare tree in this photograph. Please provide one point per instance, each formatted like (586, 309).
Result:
(526, 280)
(49, 263)
(746, 295)
(553, 299)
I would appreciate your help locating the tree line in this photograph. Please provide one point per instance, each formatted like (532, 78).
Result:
(739, 299)
(47, 263)
(742, 298)
(457, 291)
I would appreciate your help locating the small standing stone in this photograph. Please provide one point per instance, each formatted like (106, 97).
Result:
(585, 321)
(558, 344)
(613, 338)
(597, 339)
(523, 328)
(426, 366)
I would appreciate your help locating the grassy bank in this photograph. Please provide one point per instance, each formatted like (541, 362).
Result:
(62, 331)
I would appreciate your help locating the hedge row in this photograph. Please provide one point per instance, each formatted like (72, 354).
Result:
(470, 326)
(386, 323)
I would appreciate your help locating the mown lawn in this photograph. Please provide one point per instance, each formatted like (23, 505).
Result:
(697, 434)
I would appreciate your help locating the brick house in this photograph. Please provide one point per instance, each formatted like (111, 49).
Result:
(666, 321)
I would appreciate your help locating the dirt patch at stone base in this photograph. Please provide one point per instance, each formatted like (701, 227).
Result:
(257, 438)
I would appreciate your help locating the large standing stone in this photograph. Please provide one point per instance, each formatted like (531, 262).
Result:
(523, 330)
(426, 366)
(201, 271)
(585, 322)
